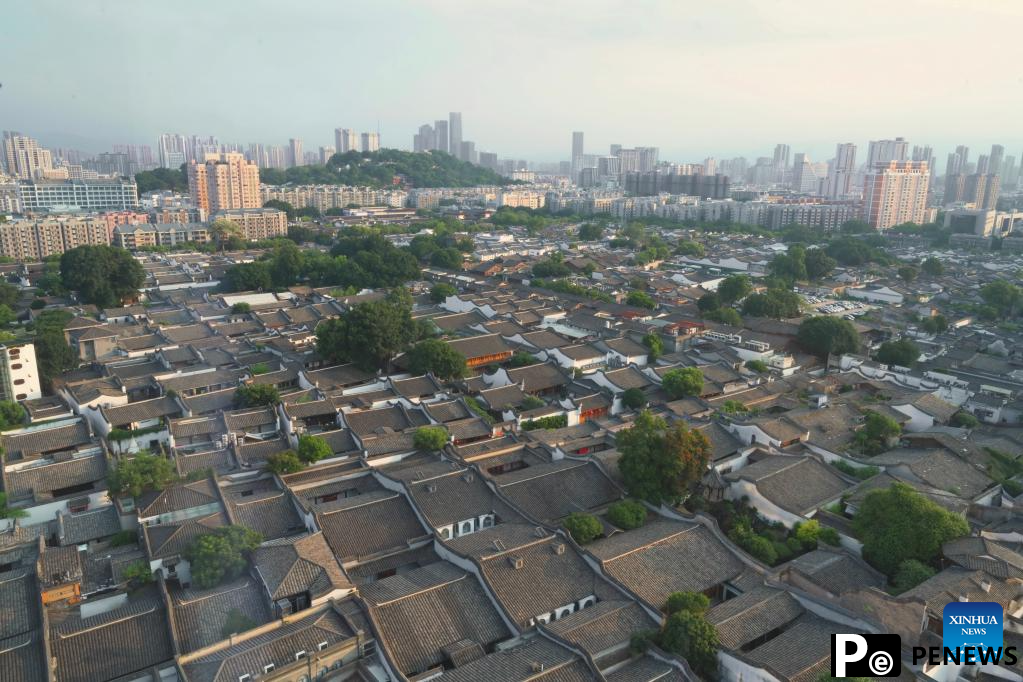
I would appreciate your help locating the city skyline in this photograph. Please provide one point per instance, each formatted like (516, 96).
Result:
(529, 112)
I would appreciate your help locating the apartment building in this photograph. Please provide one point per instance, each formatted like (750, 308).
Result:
(325, 197)
(32, 240)
(24, 157)
(164, 234)
(257, 223)
(223, 182)
(56, 196)
(895, 192)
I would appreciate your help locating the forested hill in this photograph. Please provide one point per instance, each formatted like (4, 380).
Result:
(377, 169)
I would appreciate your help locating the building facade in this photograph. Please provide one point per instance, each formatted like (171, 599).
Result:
(223, 182)
(30, 241)
(19, 372)
(257, 223)
(24, 157)
(895, 192)
(57, 196)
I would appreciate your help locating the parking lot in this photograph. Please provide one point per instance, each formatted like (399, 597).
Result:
(850, 310)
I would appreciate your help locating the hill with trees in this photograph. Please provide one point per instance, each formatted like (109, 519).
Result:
(378, 169)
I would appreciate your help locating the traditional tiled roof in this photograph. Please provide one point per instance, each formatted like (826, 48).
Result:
(23, 658)
(47, 475)
(551, 491)
(796, 484)
(75, 529)
(131, 639)
(19, 609)
(423, 612)
(752, 615)
(448, 411)
(627, 347)
(39, 441)
(210, 403)
(665, 556)
(338, 377)
(177, 498)
(647, 669)
(628, 377)
(503, 397)
(369, 524)
(480, 346)
(380, 421)
(201, 615)
(268, 512)
(539, 377)
(938, 468)
(298, 564)
(987, 555)
(143, 410)
(168, 540)
(255, 454)
(604, 625)
(801, 652)
(836, 571)
(450, 496)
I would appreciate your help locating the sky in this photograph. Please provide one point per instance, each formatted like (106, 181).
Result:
(696, 78)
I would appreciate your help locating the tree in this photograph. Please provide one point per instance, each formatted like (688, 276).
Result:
(693, 602)
(584, 528)
(688, 248)
(823, 335)
(933, 267)
(142, 472)
(682, 381)
(286, 264)
(776, 303)
(137, 573)
(522, 359)
(964, 420)
(440, 292)
(934, 324)
(789, 267)
(819, 264)
(627, 514)
(286, 462)
(12, 415)
(437, 357)
(659, 463)
(902, 352)
(758, 366)
(878, 433)
(221, 555)
(898, 523)
(248, 277)
(690, 636)
(729, 316)
(708, 302)
(52, 351)
(633, 398)
(369, 334)
(910, 574)
(734, 288)
(312, 449)
(430, 438)
(908, 273)
(449, 259)
(254, 395)
(241, 308)
(551, 267)
(640, 299)
(222, 230)
(1002, 296)
(6, 315)
(654, 345)
(10, 512)
(103, 275)
(856, 227)
(590, 232)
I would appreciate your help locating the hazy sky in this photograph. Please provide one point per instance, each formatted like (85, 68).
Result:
(694, 77)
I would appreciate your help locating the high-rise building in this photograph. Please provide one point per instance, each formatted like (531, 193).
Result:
(488, 160)
(425, 139)
(325, 154)
(468, 151)
(171, 150)
(781, 156)
(983, 164)
(981, 190)
(24, 157)
(924, 153)
(370, 142)
(883, 151)
(29, 241)
(804, 179)
(895, 192)
(223, 182)
(440, 134)
(997, 155)
(841, 171)
(577, 152)
(345, 140)
(295, 157)
(455, 133)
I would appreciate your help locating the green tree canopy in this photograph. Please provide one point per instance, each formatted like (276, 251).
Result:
(708, 302)
(729, 316)
(879, 433)
(654, 345)
(908, 273)
(102, 275)
(221, 555)
(248, 277)
(933, 267)
(897, 523)
(775, 303)
(682, 381)
(584, 528)
(640, 299)
(370, 334)
(284, 462)
(437, 357)
(10, 512)
(1003, 296)
(590, 232)
(312, 448)
(431, 438)
(440, 292)
(902, 352)
(142, 472)
(823, 335)
(253, 395)
(659, 463)
(627, 514)
(12, 415)
(734, 288)
(690, 636)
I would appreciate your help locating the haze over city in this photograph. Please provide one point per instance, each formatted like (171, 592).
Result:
(696, 80)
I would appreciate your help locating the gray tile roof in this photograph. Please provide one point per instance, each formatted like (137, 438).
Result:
(43, 440)
(752, 615)
(176, 498)
(796, 484)
(603, 626)
(369, 524)
(19, 603)
(551, 491)
(538, 659)
(43, 478)
(143, 410)
(800, 653)
(200, 615)
(270, 513)
(168, 540)
(424, 611)
(75, 529)
(836, 571)
(23, 658)
(299, 564)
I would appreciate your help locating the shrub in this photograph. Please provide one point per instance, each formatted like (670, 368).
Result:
(124, 537)
(683, 381)
(557, 421)
(286, 462)
(829, 536)
(862, 473)
(140, 473)
(627, 514)
(254, 395)
(313, 448)
(583, 528)
(242, 307)
(221, 555)
(758, 366)
(430, 438)
(137, 573)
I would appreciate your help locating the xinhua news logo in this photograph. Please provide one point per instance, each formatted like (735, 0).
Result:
(866, 655)
(972, 634)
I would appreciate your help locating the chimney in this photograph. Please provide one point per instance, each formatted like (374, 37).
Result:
(559, 548)
(985, 585)
(516, 562)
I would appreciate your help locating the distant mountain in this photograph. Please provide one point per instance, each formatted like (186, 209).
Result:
(379, 169)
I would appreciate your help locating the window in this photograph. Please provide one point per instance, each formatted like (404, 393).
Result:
(268, 667)
(16, 365)
(19, 382)
(244, 678)
(300, 655)
(321, 646)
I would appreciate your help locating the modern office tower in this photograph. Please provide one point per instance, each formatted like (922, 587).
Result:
(455, 133)
(224, 182)
(171, 150)
(804, 179)
(295, 157)
(577, 151)
(895, 192)
(440, 132)
(883, 151)
(841, 171)
(345, 140)
(24, 157)
(468, 151)
(997, 155)
(19, 372)
(781, 156)
(370, 142)
(58, 196)
(325, 154)
(425, 139)
(488, 160)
